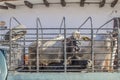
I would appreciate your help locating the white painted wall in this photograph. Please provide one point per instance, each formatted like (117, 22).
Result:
(52, 16)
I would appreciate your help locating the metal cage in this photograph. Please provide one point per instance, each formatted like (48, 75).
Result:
(42, 49)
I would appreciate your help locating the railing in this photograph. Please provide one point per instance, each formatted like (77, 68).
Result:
(64, 49)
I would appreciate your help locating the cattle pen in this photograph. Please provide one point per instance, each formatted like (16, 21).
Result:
(62, 53)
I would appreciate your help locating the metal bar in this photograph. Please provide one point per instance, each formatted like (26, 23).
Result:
(46, 3)
(61, 26)
(83, 23)
(10, 5)
(92, 44)
(38, 22)
(28, 4)
(111, 60)
(65, 53)
(15, 20)
(114, 3)
(41, 28)
(118, 43)
(104, 24)
(102, 3)
(82, 2)
(37, 32)
(63, 3)
(10, 29)
(24, 43)
(3, 7)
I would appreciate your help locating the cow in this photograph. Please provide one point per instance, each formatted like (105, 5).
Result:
(112, 45)
(51, 52)
(75, 58)
(105, 47)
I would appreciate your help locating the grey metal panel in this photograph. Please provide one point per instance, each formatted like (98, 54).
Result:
(64, 76)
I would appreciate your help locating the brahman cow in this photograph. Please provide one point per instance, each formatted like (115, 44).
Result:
(51, 51)
(105, 47)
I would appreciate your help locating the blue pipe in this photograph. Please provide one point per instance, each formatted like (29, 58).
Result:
(3, 65)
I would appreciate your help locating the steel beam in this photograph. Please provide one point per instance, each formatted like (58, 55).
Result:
(46, 3)
(82, 2)
(10, 5)
(102, 3)
(114, 3)
(3, 7)
(63, 3)
(28, 4)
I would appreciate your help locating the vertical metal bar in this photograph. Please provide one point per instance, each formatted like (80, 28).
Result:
(37, 32)
(92, 49)
(65, 54)
(61, 25)
(24, 44)
(92, 44)
(111, 57)
(38, 22)
(10, 50)
(118, 43)
(118, 48)
(24, 53)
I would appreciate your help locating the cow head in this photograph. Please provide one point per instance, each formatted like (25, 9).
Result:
(76, 35)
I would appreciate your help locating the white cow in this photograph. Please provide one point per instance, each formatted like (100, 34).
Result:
(49, 51)
(105, 47)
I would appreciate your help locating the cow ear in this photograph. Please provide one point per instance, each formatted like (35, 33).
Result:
(85, 38)
(109, 32)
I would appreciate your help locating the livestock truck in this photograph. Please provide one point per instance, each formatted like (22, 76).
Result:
(83, 53)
